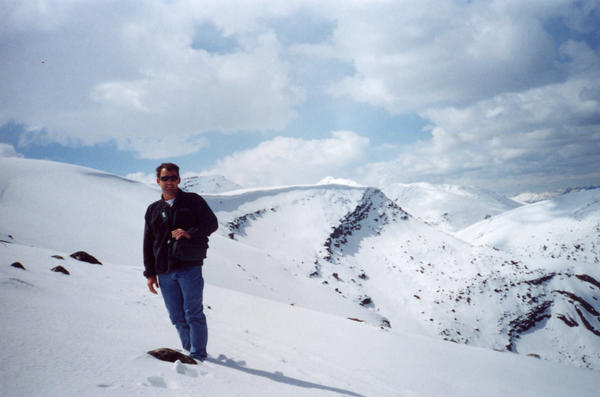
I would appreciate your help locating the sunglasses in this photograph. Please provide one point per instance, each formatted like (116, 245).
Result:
(173, 178)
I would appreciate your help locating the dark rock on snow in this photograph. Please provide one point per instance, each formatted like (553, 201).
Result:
(6, 241)
(85, 257)
(166, 354)
(386, 323)
(18, 265)
(60, 269)
(57, 257)
(358, 320)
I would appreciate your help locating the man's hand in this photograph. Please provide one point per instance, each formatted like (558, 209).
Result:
(153, 282)
(179, 233)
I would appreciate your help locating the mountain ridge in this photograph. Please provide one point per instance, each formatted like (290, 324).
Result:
(338, 248)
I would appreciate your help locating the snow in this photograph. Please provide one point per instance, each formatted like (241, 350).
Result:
(530, 197)
(200, 184)
(273, 330)
(449, 207)
(567, 226)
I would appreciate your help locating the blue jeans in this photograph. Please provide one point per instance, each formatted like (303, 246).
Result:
(182, 292)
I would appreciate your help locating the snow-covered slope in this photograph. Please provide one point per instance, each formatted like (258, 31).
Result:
(449, 207)
(86, 334)
(529, 197)
(566, 227)
(67, 208)
(311, 290)
(207, 184)
(360, 245)
(191, 182)
(562, 237)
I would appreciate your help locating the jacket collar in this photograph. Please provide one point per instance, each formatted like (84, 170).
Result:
(177, 196)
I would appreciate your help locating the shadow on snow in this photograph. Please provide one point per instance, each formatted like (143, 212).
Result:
(275, 376)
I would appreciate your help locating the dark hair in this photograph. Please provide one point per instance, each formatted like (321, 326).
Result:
(168, 167)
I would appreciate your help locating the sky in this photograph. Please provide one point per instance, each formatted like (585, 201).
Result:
(500, 94)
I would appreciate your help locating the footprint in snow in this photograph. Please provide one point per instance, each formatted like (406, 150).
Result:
(156, 381)
(106, 386)
(184, 369)
(160, 382)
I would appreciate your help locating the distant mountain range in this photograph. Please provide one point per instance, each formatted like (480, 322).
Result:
(448, 207)
(525, 279)
(207, 184)
(456, 263)
(535, 197)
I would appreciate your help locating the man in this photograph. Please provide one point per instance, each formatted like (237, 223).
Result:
(178, 219)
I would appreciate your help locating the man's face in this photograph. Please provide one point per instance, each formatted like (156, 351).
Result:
(166, 182)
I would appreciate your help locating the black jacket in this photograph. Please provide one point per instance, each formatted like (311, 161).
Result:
(190, 213)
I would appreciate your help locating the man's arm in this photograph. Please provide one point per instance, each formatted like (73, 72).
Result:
(152, 283)
(207, 220)
(149, 259)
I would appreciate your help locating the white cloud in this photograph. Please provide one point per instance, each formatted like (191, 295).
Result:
(548, 136)
(414, 55)
(505, 85)
(285, 160)
(89, 73)
(7, 150)
(126, 95)
(163, 147)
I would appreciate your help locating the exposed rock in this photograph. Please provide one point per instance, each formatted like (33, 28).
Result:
(586, 305)
(85, 257)
(18, 265)
(588, 279)
(358, 320)
(529, 320)
(6, 241)
(60, 269)
(374, 205)
(58, 257)
(166, 354)
(239, 224)
(386, 323)
(570, 321)
(541, 280)
(586, 323)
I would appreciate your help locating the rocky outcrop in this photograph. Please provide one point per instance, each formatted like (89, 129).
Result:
(18, 265)
(170, 355)
(60, 269)
(368, 218)
(239, 224)
(526, 322)
(85, 257)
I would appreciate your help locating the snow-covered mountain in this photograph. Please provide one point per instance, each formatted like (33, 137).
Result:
(191, 182)
(561, 238)
(448, 207)
(530, 198)
(202, 184)
(311, 290)
(566, 227)
(364, 247)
